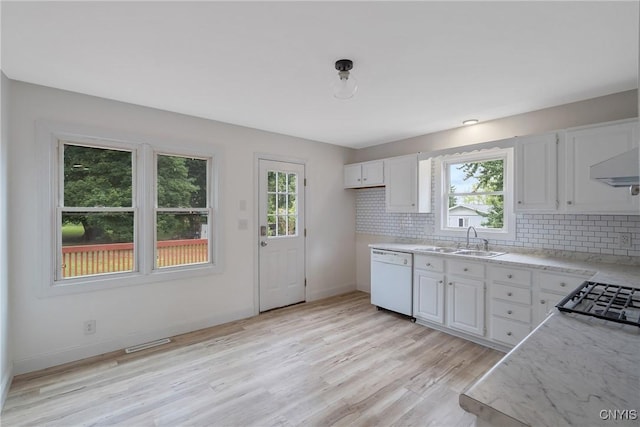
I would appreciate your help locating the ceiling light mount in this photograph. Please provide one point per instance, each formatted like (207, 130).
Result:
(346, 86)
(470, 122)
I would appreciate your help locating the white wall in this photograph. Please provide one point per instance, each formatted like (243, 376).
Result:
(48, 331)
(618, 106)
(6, 364)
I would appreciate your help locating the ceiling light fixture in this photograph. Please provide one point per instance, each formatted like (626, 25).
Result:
(470, 122)
(347, 85)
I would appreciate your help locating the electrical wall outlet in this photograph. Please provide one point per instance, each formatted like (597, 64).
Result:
(89, 327)
(624, 240)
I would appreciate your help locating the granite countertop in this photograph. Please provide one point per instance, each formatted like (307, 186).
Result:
(571, 370)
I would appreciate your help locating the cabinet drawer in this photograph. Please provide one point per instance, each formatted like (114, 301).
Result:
(464, 268)
(511, 311)
(561, 283)
(510, 275)
(428, 263)
(508, 331)
(511, 293)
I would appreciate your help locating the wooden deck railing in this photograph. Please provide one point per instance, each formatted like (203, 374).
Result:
(83, 260)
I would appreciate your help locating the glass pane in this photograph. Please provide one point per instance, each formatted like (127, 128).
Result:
(183, 238)
(293, 183)
(292, 206)
(271, 204)
(96, 243)
(97, 177)
(271, 181)
(292, 225)
(479, 211)
(271, 225)
(282, 226)
(282, 182)
(476, 176)
(182, 182)
(282, 204)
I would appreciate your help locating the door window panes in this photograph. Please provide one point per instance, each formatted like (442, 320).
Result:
(282, 209)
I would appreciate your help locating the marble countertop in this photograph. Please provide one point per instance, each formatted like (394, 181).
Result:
(565, 372)
(572, 370)
(624, 274)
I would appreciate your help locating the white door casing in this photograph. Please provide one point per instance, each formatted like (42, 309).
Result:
(281, 229)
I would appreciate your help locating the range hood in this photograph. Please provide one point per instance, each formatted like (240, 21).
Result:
(622, 170)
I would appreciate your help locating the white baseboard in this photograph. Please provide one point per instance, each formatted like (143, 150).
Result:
(330, 292)
(71, 354)
(5, 385)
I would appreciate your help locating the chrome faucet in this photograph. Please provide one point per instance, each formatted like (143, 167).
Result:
(474, 232)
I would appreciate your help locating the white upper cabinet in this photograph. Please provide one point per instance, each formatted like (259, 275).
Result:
(536, 173)
(590, 145)
(408, 183)
(367, 174)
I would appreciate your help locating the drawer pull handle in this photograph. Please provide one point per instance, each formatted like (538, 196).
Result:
(562, 284)
(542, 301)
(510, 312)
(510, 276)
(465, 269)
(450, 283)
(509, 333)
(509, 294)
(428, 264)
(440, 281)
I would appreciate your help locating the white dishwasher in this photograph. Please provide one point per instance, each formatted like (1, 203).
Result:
(392, 281)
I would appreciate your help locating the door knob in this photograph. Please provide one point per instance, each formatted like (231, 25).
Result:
(263, 243)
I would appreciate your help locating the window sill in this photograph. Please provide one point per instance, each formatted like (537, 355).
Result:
(119, 280)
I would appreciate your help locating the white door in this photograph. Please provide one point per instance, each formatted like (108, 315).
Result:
(281, 234)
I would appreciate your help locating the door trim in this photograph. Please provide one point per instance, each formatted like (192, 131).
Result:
(256, 220)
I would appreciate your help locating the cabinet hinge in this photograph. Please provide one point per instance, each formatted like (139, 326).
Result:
(305, 182)
(305, 282)
(305, 232)
(557, 139)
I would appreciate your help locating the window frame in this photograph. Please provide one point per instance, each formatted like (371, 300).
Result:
(442, 180)
(48, 136)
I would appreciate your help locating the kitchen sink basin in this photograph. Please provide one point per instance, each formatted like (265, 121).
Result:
(436, 249)
(472, 252)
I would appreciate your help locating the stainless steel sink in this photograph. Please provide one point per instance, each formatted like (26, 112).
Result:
(436, 249)
(473, 252)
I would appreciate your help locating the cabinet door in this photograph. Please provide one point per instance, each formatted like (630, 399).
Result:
(585, 147)
(545, 305)
(401, 194)
(353, 175)
(536, 173)
(428, 296)
(465, 305)
(373, 173)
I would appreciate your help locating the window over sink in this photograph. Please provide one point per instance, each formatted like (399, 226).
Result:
(476, 189)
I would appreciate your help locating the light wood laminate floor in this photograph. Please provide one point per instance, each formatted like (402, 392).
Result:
(338, 361)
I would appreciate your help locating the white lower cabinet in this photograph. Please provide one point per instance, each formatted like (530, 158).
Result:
(451, 294)
(465, 305)
(428, 296)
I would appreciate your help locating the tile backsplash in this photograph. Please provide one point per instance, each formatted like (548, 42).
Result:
(594, 234)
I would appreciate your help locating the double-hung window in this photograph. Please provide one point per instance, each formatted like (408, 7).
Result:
(96, 216)
(110, 230)
(476, 191)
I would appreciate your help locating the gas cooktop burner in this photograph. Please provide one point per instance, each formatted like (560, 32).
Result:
(611, 302)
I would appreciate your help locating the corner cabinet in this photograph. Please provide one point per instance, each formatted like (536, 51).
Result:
(367, 174)
(536, 173)
(408, 183)
(584, 147)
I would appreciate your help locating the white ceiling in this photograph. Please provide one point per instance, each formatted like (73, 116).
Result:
(421, 66)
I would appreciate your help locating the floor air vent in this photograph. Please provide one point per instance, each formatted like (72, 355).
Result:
(147, 345)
